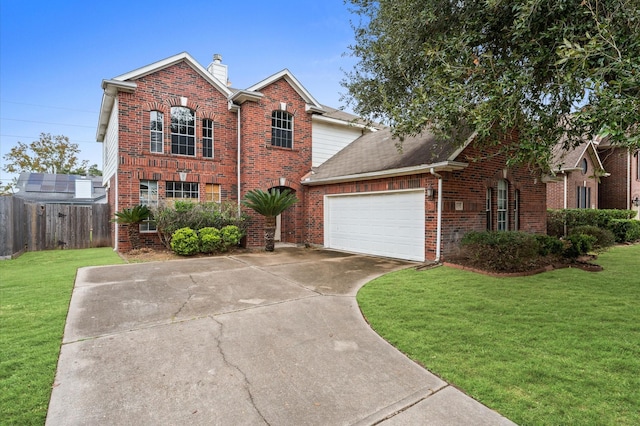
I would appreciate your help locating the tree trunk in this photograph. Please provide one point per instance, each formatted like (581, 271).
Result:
(269, 233)
(133, 231)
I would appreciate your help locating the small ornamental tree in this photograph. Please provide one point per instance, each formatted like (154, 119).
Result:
(269, 204)
(132, 218)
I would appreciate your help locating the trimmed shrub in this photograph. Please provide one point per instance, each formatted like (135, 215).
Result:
(187, 214)
(210, 240)
(578, 245)
(500, 251)
(185, 242)
(604, 237)
(557, 219)
(548, 245)
(231, 236)
(625, 230)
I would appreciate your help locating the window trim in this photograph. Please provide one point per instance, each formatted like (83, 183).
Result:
(189, 134)
(207, 138)
(280, 132)
(488, 209)
(150, 201)
(502, 206)
(170, 190)
(156, 117)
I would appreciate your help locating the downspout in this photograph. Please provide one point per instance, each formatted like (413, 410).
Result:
(238, 165)
(439, 220)
(117, 226)
(565, 191)
(629, 177)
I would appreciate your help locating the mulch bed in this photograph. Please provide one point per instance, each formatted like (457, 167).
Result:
(583, 263)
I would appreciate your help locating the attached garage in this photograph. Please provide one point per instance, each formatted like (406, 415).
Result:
(389, 224)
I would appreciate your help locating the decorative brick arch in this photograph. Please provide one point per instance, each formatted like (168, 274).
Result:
(273, 183)
(177, 102)
(156, 106)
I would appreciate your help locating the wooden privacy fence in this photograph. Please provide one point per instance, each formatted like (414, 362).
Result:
(36, 226)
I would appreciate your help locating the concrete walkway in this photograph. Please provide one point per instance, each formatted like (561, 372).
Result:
(249, 339)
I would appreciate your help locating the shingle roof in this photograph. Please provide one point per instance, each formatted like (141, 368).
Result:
(379, 151)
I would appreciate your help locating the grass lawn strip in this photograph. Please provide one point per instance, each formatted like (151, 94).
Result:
(35, 290)
(562, 347)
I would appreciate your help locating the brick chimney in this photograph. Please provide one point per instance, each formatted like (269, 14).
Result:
(219, 70)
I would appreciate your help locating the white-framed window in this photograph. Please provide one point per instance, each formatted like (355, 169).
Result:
(183, 131)
(157, 131)
(502, 205)
(207, 138)
(282, 129)
(583, 197)
(149, 198)
(180, 190)
(212, 192)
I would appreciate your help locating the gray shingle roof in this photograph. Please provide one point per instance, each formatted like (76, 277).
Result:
(378, 151)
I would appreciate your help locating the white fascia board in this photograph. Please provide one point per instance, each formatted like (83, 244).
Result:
(332, 120)
(461, 148)
(242, 96)
(445, 166)
(172, 60)
(286, 74)
(110, 91)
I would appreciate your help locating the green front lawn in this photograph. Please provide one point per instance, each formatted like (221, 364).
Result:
(35, 290)
(562, 347)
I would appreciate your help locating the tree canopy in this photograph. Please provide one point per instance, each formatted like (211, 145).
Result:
(49, 154)
(551, 70)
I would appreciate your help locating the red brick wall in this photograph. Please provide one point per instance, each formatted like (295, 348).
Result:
(575, 179)
(160, 91)
(613, 188)
(468, 186)
(264, 166)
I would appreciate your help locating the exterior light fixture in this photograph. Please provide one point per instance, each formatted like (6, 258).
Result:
(430, 192)
(636, 201)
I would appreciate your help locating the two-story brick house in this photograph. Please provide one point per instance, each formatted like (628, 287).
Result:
(175, 130)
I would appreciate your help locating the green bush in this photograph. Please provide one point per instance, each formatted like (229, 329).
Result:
(187, 214)
(500, 251)
(548, 245)
(210, 240)
(604, 237)
(557, 219)
(625, 230)
(185, 242)
(578, 245)
(231, 236)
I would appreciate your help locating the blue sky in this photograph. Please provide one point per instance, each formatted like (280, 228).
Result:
(55, 54)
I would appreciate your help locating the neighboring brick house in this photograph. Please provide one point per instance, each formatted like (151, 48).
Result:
(622, 189)
(416, 203)
(175, 130)
(577, 175)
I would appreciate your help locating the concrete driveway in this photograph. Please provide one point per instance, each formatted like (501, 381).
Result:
(249, 339)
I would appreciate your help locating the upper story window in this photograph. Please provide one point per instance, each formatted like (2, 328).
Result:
(282, 129)
(207, 138)
(183, 131)
(503, 202)
(584, 166)
(157, 131)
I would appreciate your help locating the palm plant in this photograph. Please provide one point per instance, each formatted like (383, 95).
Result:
(132, 218)
(269, 204)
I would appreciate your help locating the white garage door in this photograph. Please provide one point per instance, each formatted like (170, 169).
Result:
(389, 224)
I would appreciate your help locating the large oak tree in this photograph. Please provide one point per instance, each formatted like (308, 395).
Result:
(547, 69)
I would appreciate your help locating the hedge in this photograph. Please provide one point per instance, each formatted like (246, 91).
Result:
(558, 219)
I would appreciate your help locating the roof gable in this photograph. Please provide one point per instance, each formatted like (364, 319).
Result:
(564, 160)
(170, 61)
(312, 103)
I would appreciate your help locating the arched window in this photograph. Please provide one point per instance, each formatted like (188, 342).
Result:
(156, 119)
(183, 131)
(503, 205)
(281, 129)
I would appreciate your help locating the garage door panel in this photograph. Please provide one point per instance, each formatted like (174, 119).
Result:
(388, 224)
